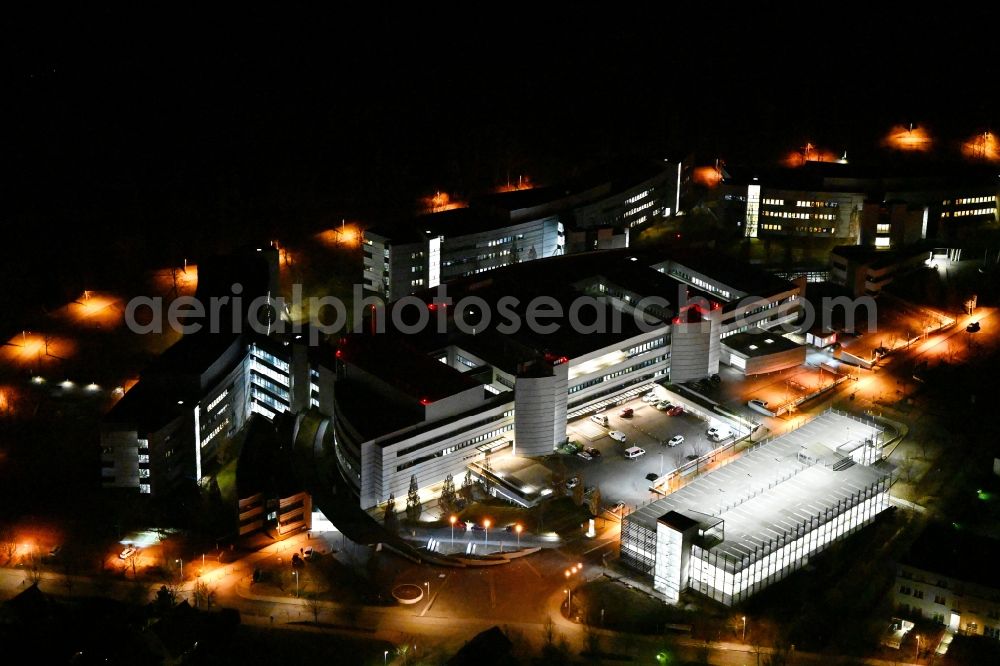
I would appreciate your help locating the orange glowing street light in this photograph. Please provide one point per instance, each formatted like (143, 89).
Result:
(518, 528)
(453, 519)
(486, 535)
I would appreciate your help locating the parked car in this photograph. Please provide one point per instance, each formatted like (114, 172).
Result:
(675, 440)
(128, 552)
(618, 507)
(650, 397)
(759, 405)
(594, 453)
(676, 410)
(572, 482)
(600, 419)
(634, 452)
(584, 455)
(973, 327)
(719, 433)
(309, 553)
(626, 413)
(664, 405)
(618, 436)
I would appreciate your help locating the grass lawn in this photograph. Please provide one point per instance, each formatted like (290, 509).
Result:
(624, 609)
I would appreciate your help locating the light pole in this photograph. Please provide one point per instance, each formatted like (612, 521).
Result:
(296, 574)
(744, 628)
(385, 658)
(917, 655)
(518, 528)
(453, 520)
(182, 567)
(569, 602)
(428, 586)
(486, 534)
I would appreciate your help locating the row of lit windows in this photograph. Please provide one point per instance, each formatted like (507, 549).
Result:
(816, 204)
(498, 241)
(220, 398)
(966, 213)
(434, 440)
(698, 282)
(265, 371)
(639, 209)
(635, 198)
(274, 388)
(623, 371)
(882, 228)
(269, 400)
(636, 222)
(798, 216)
(270, 358)
(456, 447)
(419, 282)
(792, 227)
(646, 346)
(466, 362)
(215, 432)
(882, 241)
(773, 202)
(971, 200)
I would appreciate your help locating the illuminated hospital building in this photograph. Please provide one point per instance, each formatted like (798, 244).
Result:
(596, 212)
(750, 523)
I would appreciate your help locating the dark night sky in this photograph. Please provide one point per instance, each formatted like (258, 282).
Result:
(145, 137)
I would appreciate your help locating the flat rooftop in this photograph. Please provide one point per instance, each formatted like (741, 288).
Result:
(758, 342)
(769, 491)
(406, 369)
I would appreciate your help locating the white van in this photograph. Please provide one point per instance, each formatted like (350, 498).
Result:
(634, 452)
(600, 419)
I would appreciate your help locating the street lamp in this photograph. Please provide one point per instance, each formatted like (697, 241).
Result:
(917, 655)
(518, 528)
(296, 574)
(182, 567)
(486, 535)
(385, 657)
(744, 628)
(428, 586)
(453, 520)
(569, 602)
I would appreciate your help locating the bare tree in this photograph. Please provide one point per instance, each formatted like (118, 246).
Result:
(203, 594)
(315, 606)
(8, 541)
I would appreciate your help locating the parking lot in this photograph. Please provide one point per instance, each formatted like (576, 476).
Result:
(620, 479)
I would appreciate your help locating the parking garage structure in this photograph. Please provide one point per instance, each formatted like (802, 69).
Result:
(746, 525)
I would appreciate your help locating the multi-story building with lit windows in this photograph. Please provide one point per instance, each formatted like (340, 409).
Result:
(592, 213)
(950, 576)
(168, 428)
(432, 402)
(827, 199)
(750, 523)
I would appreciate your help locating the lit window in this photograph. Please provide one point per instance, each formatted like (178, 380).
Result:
(882, 241)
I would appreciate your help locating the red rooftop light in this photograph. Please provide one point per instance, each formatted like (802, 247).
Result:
(425, 401)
